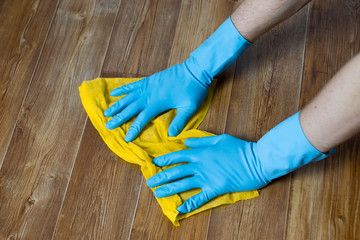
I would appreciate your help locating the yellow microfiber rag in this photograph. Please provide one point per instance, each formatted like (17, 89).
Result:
(152, 142)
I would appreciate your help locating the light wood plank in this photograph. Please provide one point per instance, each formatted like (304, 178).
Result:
(37, 168)
(325, 196)
(23, 28)
(142, 38)
(198, 20)
(265, 92)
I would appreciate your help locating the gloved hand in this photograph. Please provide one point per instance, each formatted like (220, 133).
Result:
(173, 88)
(183, 86)
(224, 164)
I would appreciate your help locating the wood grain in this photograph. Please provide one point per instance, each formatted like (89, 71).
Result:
(102, 195)
(325, 197)
(23, 29)
(59, 180)
(265, 92)
(113, 215)
(142, 38)
(37, 168)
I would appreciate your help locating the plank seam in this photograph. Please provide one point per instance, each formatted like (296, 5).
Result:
(299, 95)
(177, 27)
(303, 56)
(151, 36)
(67, 185)
(130, 42)
(240, 218)
(31, 79)
(208, 225)
(110, 37)
(136, 205)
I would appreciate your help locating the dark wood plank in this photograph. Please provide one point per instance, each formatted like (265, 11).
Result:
(265, 92)
(23, 28)
(325, 197)
(41, 155)
(143, 37)
(102, 195)
(198, 20)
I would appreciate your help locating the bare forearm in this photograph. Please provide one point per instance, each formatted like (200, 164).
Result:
(333, 116)
(255, 17)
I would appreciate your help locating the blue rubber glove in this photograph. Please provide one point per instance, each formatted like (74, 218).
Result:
(182, 87)
(224, 164)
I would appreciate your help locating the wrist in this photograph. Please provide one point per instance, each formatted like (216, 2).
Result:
(286, 148)
(219, 51)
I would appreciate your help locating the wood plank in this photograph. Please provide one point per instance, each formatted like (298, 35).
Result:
(325, 196)
(198, 20)
(41, 155)
(265, 92)
(215, 119)
(117, 209)
(23, 28)
(102, 195)
(142, 38)
(155, 226)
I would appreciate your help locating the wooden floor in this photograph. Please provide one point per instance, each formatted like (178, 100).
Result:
(58, 180)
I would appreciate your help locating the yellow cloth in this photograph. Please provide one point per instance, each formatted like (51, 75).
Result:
(153, 141)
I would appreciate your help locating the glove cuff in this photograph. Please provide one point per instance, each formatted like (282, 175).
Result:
(219, 51)
(286, 148)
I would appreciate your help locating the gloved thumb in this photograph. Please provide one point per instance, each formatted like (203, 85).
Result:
(202, 141)
(195, 202)
(179, 122)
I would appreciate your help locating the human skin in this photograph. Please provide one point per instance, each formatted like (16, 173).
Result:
(253, 18)
(333, 116)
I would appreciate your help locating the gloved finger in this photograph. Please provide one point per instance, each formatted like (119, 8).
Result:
(169, 175)
(176, 187)
(195, 202)
(119, 105)
(179, 122)
(125, 89)
(201, 142)
(144, 117)
(181, 156)
(125, 115)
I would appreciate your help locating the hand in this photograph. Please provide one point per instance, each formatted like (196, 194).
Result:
(183, 86)
(224, 164)
(172, 88)
(217, 165)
